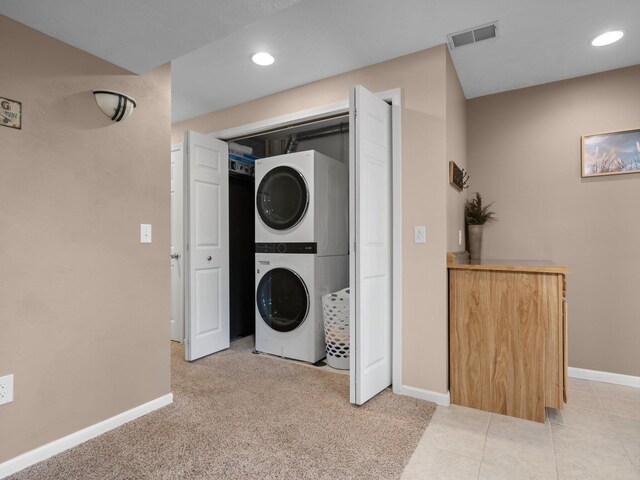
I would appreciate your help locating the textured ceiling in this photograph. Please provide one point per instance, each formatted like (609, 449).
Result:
(539, 41)
(139, 34)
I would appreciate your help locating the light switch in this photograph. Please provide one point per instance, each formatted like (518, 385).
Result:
(6, 389)
(145, 233)
(419, 234)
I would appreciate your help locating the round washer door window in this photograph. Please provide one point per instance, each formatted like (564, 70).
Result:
(283, 299)
(282, 198)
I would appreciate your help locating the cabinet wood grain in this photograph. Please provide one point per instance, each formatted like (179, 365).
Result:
(507, 341)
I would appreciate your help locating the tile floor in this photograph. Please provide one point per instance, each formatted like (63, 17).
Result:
(596, 436)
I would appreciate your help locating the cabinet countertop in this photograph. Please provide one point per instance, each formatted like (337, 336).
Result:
(534, 266)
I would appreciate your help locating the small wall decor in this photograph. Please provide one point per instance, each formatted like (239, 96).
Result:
(10, 113)
(611, 153)
(457, 176)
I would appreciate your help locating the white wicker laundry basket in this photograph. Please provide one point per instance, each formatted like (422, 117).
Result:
(335, 310)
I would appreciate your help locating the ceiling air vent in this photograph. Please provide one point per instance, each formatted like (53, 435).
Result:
(473, 35)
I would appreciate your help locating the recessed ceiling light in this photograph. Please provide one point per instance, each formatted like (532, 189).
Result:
(263, 58)
(607, 38)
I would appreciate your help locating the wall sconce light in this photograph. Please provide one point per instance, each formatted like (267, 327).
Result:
(117, 106)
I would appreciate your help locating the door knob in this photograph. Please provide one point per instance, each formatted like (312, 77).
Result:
(175, 256)
(209, 258)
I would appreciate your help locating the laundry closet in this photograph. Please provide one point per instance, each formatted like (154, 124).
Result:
(288, 235)
(271, 216)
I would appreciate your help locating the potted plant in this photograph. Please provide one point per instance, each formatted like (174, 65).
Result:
(476, 215)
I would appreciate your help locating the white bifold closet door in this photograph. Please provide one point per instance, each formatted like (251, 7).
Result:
(177, 249)
(370, 207)
(207, 253)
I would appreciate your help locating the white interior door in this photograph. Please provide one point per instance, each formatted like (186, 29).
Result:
(370, 204)
(177, 250)
(207, 253)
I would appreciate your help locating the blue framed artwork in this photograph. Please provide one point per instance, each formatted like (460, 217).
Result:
(611, 153)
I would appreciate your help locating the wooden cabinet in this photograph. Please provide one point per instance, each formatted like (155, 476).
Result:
(507, 337)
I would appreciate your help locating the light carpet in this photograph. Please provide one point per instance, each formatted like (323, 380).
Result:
(237, 415)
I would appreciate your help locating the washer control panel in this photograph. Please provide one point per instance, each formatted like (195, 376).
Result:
(295, 247)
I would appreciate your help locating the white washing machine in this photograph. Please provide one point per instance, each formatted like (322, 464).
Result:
(289, 288)
(303, 198)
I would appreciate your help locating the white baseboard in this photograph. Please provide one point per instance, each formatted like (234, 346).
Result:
(607, 377)
(442, 399)
(39, 454)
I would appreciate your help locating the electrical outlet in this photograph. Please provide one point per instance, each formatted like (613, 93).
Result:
(6, 389)
(419, 234)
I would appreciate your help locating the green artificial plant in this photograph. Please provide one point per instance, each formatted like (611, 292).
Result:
(476, 214)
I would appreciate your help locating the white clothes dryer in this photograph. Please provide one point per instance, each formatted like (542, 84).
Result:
(289, 288)
(303, 197)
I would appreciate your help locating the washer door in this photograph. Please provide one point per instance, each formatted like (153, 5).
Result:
(282, 198)
(283, 299)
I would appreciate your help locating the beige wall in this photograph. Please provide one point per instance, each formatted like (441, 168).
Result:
(422, 77)
(456, 151)
(84, 308)
(524, 154)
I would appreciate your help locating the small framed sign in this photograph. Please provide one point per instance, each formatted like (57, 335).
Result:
(10, 113)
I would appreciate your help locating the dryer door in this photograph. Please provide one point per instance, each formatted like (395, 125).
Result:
(283, 299)
(282, 198)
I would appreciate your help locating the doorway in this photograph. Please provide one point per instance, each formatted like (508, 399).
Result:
(332, 114)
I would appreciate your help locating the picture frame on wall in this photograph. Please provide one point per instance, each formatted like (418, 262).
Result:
(10, 113)
(610, 153)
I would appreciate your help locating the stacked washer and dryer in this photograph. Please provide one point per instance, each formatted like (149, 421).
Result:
(302, 236)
